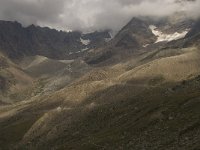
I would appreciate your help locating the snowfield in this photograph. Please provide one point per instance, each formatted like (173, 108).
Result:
(161, 37)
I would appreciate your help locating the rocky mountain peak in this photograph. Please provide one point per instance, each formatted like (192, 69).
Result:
(136, 31)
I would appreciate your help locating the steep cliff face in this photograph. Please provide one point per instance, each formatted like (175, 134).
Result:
(14, 39)
(17, 41)
(135, 34)
(195, 29)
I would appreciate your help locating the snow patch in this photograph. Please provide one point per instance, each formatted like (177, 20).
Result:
(108, 39)
(161, 37)
(111, 37)
(59, 109)
(71, 53)
(66, 61)
(85, 42)
(145, 45)
(82, 50)
(77, 52)
(85, 49)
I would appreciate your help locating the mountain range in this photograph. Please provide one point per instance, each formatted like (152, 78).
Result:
(18, 41)
(139, 89)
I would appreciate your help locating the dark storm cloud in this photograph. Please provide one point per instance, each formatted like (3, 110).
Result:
(90, 14)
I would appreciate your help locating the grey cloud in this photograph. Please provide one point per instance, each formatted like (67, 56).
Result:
(31, 11)
(90, 14)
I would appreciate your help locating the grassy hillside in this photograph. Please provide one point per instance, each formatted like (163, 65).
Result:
(148, 102)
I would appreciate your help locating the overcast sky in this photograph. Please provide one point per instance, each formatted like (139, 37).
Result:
(88, 15)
